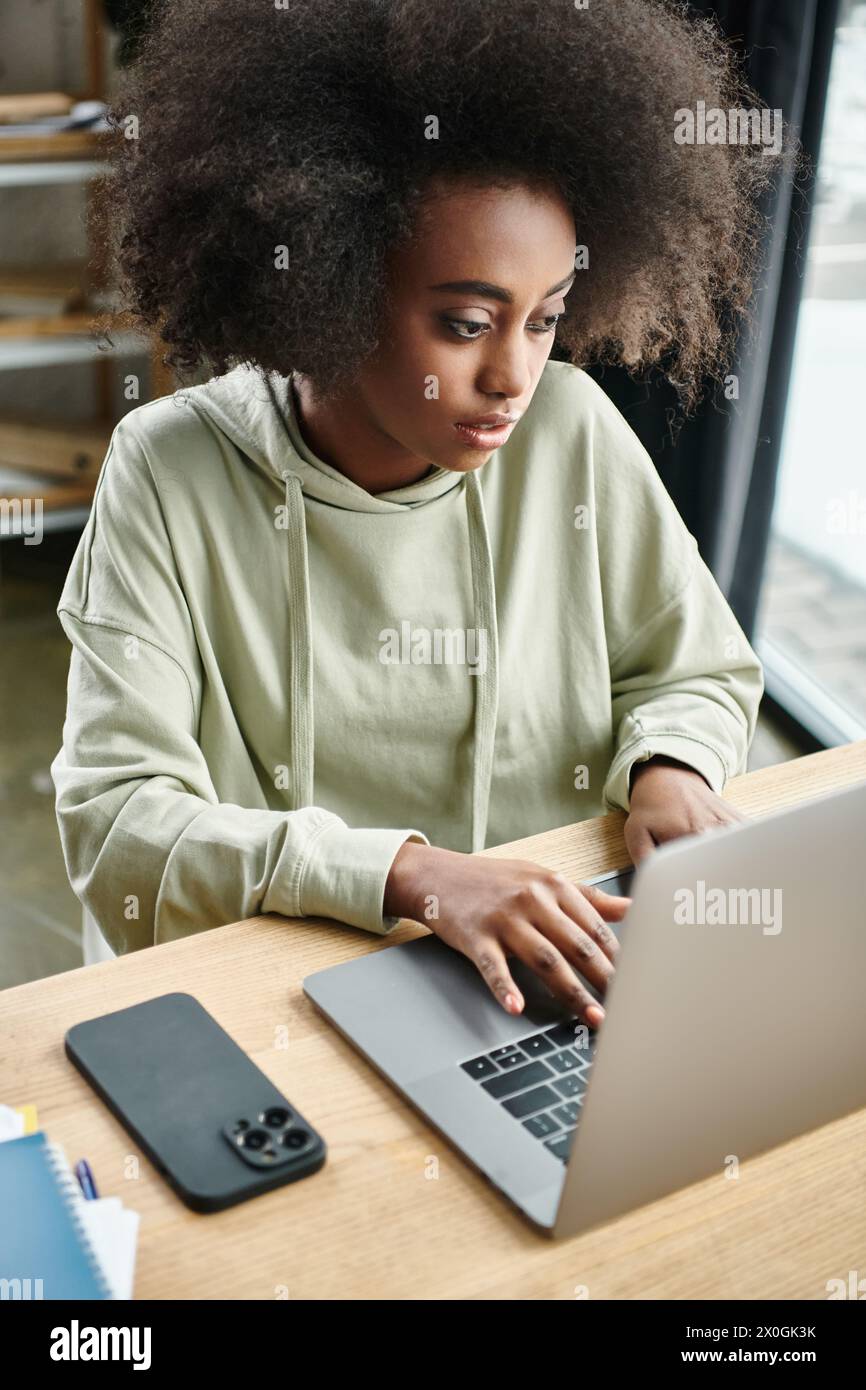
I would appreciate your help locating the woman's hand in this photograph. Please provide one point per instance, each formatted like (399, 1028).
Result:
(491, 908)
(667, 800)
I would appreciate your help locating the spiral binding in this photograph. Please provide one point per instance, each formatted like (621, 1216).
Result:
(71, 1194)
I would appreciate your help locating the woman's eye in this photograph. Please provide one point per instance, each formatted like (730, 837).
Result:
(458, 324)
(471, 328)
(550, 323)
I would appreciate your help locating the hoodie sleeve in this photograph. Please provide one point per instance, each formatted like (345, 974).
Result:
(684, 680)
(149, 848)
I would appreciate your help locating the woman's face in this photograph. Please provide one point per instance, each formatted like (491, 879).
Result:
(474, 300)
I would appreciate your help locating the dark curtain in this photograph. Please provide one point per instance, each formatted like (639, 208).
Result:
(720, 466)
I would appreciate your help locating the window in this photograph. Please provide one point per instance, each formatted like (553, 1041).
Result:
(811, 631)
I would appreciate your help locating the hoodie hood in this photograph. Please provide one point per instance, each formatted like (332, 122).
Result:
(256, 411)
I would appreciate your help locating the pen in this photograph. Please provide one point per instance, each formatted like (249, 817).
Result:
(85, 1179)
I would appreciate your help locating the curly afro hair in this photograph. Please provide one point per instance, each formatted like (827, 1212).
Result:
(307, 127)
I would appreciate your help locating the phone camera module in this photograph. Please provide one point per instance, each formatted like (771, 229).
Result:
(276, 1117)
(255, 1139)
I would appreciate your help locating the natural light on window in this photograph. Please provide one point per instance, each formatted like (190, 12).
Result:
(812, 628)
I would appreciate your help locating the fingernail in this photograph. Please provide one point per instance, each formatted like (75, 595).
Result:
(512, 1004)
(595, 1014)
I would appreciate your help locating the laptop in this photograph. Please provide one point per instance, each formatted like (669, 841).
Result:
(735, 1021)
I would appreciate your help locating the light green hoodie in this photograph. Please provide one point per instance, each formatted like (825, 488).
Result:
(277, 678)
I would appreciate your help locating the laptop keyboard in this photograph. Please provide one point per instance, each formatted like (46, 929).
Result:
(541, 1081)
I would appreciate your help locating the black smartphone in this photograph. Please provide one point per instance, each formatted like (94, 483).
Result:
(205, 1115)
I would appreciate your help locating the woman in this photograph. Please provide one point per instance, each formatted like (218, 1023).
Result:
(394, 585)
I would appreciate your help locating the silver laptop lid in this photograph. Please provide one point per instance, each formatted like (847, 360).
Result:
(736, 1017)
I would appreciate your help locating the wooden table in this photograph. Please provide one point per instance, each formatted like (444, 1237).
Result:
(375, 1223)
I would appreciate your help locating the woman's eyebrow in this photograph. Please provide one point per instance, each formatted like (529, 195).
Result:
(488, 291)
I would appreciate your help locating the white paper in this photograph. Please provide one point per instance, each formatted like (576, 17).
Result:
(113, 1229)
(11, 1123)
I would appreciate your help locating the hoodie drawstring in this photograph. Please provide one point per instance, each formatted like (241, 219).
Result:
(300, 646)
(301, 657)
(487, 681)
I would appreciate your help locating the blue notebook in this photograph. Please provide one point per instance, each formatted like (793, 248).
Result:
(43, 1242)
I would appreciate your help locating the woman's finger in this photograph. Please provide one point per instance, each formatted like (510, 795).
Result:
(577, 904)
(489, 958)
(543, 957)
(638, 840)
(611, 906)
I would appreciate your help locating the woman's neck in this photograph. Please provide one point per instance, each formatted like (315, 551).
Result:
(341, 434)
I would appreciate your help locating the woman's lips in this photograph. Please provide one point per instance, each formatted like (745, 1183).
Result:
(486, 439)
